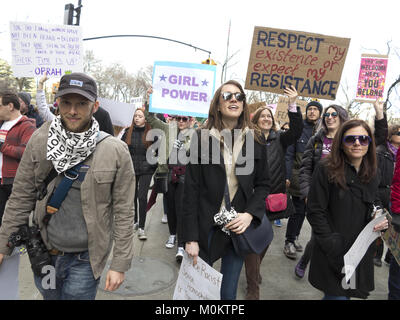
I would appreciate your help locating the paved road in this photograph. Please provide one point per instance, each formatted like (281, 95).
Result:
(154, 270)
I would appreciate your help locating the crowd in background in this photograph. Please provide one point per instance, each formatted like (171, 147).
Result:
(335, 171)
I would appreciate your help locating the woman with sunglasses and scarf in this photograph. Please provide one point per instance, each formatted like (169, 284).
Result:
(276, 143)
(342, 193)
(233, 162)
(318, 148)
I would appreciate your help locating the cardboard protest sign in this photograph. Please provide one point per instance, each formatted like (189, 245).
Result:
(371, 79)
(182, 88)
(199, 282)
(39, 48)
(392, 240)
(254, 106)
(121, 113)
(281, 114)
(313, 63)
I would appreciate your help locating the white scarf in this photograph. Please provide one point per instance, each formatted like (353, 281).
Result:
(66, 149)
(230, 157)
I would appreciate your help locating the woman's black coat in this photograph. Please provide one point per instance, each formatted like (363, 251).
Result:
(386, 162)
(204, 191)
(138, 151)
(337, 217)
(277, 143)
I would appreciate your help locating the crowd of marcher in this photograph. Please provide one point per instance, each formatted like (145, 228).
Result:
(88, 192)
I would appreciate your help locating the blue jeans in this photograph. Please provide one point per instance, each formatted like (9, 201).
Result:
(328, 297)
(394, 280)
(74, 278)
(231, 266)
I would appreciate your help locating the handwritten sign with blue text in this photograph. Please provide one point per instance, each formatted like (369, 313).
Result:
(313, 63)
(182, 88)
(38, 48)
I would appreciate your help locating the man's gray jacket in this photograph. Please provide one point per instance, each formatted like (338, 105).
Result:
(107, 194)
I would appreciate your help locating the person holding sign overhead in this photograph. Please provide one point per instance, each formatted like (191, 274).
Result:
(275, 143)
(207, 181)
(318, 147)
(293, 158)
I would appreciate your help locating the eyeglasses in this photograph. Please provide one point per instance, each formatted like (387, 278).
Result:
(184, 119)
(397, 133)
(363, 140)
(228, 96)
(333, 114)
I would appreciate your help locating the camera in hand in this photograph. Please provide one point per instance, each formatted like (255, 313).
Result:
(223, 217)
(37, 251)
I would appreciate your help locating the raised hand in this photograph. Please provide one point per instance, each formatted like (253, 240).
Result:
(292, 94)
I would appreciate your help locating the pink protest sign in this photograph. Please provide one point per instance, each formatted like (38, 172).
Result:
(371, 79)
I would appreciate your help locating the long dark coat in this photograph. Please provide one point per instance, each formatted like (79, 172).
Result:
(337, 217)
(204, 191)
(276, 145)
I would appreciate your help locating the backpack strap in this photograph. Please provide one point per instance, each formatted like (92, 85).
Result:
(62, 190)
(101, 136)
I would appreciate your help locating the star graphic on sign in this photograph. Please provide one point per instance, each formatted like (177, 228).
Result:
(204, 83)
(162, 78)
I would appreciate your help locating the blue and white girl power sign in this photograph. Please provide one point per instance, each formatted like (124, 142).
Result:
(182, 88)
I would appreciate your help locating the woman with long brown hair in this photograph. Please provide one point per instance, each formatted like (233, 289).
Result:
(275, 143)
(135, 138)
(208, 184)
(343, 190)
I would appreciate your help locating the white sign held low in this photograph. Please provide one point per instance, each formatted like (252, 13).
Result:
(199, 282)
(357, 251)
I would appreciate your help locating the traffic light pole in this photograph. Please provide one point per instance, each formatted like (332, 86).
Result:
(68, 19)
(145, 36)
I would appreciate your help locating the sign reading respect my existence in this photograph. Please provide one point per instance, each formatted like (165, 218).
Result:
(182, 88)
(371, 79)
(313, 63)
(38, 48)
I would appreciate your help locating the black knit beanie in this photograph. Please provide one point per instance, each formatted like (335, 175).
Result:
(25, 97)
(315, 104)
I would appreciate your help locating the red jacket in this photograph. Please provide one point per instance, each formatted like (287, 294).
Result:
(395, 194)
(14, 146)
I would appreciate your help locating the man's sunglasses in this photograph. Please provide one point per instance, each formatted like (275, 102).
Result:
(184, 119)
(363, 140)
(397, 133)
(228, 96)
(333, 114)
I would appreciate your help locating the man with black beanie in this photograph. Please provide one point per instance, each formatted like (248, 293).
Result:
(27, 109)
(294, 155)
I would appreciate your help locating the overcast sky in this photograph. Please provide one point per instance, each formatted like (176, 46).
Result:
(369, 24)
